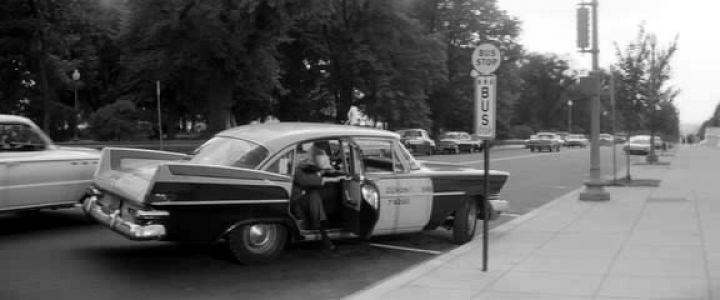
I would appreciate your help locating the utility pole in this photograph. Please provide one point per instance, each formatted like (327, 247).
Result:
(570, 106)
(594, 187)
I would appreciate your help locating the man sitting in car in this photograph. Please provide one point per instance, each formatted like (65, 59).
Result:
(307, 193)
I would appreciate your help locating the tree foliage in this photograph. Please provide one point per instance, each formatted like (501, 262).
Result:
(405, 63)
(645, 101)
(547, 82)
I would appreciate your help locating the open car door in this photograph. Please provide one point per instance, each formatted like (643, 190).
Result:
(361, 201)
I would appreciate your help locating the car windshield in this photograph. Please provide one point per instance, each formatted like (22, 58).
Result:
(575, 137)
(224, 151)
(456, 136)
(453, 136)
(411, 134)
(640, 140)
(545, 136)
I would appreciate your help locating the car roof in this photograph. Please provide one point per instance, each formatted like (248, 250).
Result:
(15, 119)
(545, 132)
(25, 121)
(276, 136)
(411, 129)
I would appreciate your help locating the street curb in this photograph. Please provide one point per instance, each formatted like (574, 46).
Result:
(379, 289)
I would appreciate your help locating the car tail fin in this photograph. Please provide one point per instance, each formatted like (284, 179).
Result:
(130, 172)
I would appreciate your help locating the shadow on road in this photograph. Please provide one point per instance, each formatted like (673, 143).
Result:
(41, 221)
(189, 271)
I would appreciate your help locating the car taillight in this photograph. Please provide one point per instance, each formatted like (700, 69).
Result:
(162, 197)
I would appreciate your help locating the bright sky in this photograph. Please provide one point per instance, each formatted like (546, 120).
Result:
(549, 26)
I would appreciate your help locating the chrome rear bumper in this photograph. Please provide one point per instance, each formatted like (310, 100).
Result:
(500, 205)
(115, 222)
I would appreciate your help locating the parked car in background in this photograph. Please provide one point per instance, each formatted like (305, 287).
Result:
(640, 144)
(35, 173)
(563, 136)
(545, 141)
(418, 141)
(527, 142)
(606, 139)
(577, 140)
(620, 138)
(237, 188)
(458, 141)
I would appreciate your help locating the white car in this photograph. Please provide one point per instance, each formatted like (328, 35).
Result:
(35, 173)
(576, 140)
(640, 145)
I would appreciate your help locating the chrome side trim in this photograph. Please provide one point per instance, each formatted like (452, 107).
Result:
(44, 184)
(113, 220)
(40, 206)
(217, 202)
(457, 193)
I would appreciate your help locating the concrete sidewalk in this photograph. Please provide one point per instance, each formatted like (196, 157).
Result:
(645, 243)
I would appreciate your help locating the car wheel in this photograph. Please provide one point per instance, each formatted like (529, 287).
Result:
(257, 243)
(465, 222)
(532, 149)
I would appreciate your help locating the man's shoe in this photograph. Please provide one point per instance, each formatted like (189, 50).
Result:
(301, 225)
(329, 246)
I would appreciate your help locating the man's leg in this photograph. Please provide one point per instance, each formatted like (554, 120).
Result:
(318, 217)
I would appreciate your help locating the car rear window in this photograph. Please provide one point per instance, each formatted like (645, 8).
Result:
(412, 133)
(231, 152)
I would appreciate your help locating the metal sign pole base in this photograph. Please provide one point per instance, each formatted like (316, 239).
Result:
(594, 191)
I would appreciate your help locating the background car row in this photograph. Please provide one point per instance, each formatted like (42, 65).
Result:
(453, 142)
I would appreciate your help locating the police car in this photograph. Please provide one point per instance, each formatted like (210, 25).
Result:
(236, 188)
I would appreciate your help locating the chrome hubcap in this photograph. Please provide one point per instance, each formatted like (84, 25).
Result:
(259, 235)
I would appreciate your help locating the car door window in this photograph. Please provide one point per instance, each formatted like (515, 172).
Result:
(404, 155)
(336, 154)
(378, 156)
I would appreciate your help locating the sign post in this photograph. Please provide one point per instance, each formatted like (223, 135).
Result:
(485, 60)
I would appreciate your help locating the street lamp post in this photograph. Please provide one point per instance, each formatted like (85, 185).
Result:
(570, 105)
(76, 78)
(594, 187)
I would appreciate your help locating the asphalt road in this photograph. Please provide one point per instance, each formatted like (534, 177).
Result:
(61, 254)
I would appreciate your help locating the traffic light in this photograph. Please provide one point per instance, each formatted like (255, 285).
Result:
(583, 27)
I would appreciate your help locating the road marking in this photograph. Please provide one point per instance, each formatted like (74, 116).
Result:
(514, 215)
(512, 157)
(432, 252)
(470, 162)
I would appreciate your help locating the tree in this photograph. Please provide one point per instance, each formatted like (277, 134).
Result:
(643, 71)
(370, 54)
(43, 42)
(223, 51)
(548, 83)
(462, 25)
